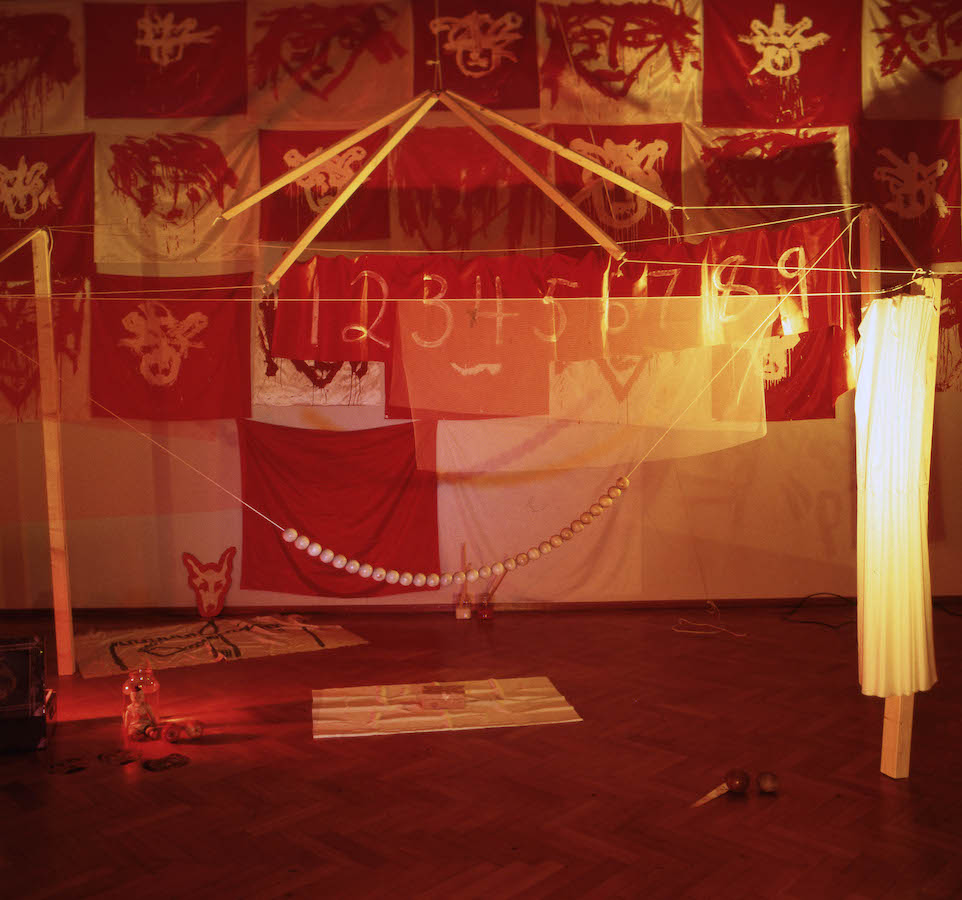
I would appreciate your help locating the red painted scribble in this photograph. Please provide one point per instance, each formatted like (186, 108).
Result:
(19, 374)
(609, 43)
(36, 58)
(319, 46)
(771, 167)
(172, 176)
(926, 33)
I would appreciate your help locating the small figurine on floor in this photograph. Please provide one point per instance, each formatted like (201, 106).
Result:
(139, 718)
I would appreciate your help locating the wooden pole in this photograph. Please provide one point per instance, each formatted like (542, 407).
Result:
(615, 249)
(348, 190)
(566, 152)
(897, 736)
(320, 158)
(869, 237)
(53, 456)
(909, 256)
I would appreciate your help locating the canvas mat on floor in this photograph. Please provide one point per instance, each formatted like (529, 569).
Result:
(203, 641)
(397, 708)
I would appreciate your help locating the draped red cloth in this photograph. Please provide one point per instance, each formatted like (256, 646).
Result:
(358, 492)
(172, 61)
(171, 348)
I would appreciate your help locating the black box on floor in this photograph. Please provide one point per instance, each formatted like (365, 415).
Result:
(27, 709)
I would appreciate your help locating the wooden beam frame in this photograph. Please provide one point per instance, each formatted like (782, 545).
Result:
(321, 158)
(348, 191)
(561, 150)
(545, 186)
(39, 242)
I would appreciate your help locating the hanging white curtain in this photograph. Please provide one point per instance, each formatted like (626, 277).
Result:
(894, 399)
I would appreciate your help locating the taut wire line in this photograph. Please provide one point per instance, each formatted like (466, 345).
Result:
(153, 441)
(728, 362)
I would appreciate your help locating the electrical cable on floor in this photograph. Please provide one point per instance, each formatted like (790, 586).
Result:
(686, 626)
(835, 626)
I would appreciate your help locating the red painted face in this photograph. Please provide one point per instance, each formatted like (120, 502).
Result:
(210, 581)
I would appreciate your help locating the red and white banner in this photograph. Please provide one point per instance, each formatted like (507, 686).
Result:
(488, 52)
(752, 175)
(910, 170)
(41, 81)
(456, 192)
(781, 64)
(912, 59)
(165, 60)
(301, 382)
(621, 62)
(805, 374)
(48, 181)
(330, 62)
(357, 492)
(159, 196)
(286, 213)
(648, 155)
(171, 348)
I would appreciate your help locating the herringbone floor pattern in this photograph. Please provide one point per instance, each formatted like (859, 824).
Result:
(599, 809)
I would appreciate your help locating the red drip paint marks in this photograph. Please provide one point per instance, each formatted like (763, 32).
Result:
(926, 33)
(36, 58)
(171, 176)
(608, 44)
(318, 47)
(771, 167)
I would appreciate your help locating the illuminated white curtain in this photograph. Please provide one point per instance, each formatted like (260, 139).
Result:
(894, 398)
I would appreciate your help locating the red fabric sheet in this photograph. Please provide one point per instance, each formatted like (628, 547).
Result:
(804, 381)
(782, 64)
(358, 492)
(159, 352)
(287, 212)
(49, 181)
(174, 60)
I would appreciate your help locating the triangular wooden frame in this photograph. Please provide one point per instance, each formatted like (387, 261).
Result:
(471, 114)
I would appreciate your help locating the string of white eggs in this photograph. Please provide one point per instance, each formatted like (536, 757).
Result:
(392, 576)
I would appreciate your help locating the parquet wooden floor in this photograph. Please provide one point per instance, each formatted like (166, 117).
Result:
(599, 809)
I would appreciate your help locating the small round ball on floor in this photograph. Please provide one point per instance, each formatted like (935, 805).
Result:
(737, 780)
(767, 782)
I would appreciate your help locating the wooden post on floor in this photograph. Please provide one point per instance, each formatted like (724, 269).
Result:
(52, 455)
(897, 736)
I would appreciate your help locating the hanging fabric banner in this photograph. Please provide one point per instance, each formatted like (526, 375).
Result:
(756, 173)
(487, 53)
(302, 382)
(330, 62)
(805, 374)
(357, 492)
(48, 182)
(171, 348)
(455, 192)
(174, 61)
(912, 59)
(911, 171)
(621, 62)
(648, 155)
(894, 398)
(159, 196)
(286, 213)
(771, 65)
(41, 80)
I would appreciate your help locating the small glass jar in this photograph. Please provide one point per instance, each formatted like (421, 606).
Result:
(141, 712)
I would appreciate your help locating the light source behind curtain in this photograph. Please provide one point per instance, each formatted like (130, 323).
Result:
(894, 399)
